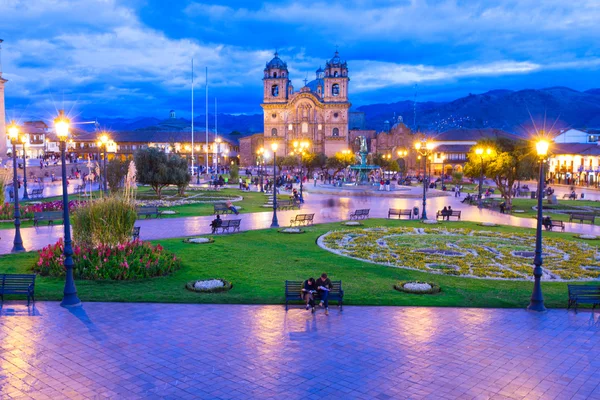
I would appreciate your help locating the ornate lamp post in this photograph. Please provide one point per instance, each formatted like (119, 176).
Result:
(537, 299)
(103, 141)
(24, 142)
(424, 148)
(13, 135)
(260, 159)
(70, 299)
(479, 151)
(274, 222)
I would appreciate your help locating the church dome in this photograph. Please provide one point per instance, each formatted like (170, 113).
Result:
(276, 62)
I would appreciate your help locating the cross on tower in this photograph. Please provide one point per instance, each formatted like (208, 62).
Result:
(305, 81)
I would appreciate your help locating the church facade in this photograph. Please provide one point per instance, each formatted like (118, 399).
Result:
(318, 113)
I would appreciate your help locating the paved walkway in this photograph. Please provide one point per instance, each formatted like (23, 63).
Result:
(326, 209)
(131, 351)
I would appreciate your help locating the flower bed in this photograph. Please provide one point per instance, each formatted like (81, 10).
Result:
(27, 210)
(209, 286)
(417, 287)
(128, 261)
(198, 240)
(466, 252)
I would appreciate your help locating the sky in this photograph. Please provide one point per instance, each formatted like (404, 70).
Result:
(111, 59)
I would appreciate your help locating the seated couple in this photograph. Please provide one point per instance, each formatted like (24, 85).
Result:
(321, 286)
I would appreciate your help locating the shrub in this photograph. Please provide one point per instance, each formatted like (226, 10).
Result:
(108, 221)
(234, 173)
(457, 177)
(126, 261)
(115, 172)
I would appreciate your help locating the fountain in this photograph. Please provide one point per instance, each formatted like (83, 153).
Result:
(363, 168)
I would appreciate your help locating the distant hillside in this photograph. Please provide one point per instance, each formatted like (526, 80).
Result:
(512, 111)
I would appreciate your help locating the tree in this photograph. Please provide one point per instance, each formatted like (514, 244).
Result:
(510, 161)
(115, 172)
(234, 173)
(401, 165)
(340, 161)
(288, 162)
(457, 177)
(179, 173)
(158, 170)
(318, 161)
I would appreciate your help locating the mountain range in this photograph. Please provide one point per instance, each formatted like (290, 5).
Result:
(512, 111)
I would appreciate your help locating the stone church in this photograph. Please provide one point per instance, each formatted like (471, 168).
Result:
(317, 113)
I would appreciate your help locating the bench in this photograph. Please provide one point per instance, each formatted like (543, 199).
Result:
(582, 217)
(36, 193)
(135, 233)
(400, 213)
(360, 214)
(453, 213)
(302, 219)
(293, 292)
(287, 204)
(148, 212)
(555, 224)
(233, 224)
(584, 294)
(18, 284)
(50, 216)
(221, 208)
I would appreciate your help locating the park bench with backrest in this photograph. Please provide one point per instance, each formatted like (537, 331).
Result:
(400, 213)
(302, 219)
(221, 208)
(360, 214)
(135, 233)
(50, 216)
(287, 204)
(555, 224)
(584, 294)
(293, 292)
(36, 193)
(228, 225)
(449, 214)
(582, 217)
(148, 212)
(18, 284)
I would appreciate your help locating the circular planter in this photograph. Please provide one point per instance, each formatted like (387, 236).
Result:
(209, 286)
(518, 211)
(168, 212)
(430, 221)
(198, 240)
(587, 237)
(291, 231)
(416, 287)
(352, 223)
(488, 224)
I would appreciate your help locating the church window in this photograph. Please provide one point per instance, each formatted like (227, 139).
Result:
(336, 132)
(275, 90)
(273, 116)
(335, 90)
(274, 132)
(304, 127)
(283, 74)
(335, 115)
(274, 74)
(335, 74)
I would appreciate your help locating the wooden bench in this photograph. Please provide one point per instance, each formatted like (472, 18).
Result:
(50, 216)
(360, 214)
(584, 294)
(221, 208)
(233, 224)
(135, 233)
(582, 217)
(18, 284)
(36, 193)
(400, 213)
(293, 292)
(555, 224)
(302, 219)
(148, 212)
(287, 204)
(453, 213)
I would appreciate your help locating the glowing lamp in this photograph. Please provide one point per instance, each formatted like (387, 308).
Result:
(429, 146)
(62, 125)
(418, 145)
(542, 147)
(479, 151)
(274, 147)
(13, 131)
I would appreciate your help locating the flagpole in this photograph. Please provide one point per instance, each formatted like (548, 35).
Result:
(216, 135)
(192, 118)
(207, 120)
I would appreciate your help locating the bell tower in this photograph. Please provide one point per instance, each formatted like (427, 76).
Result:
(336, 80)
(276, 81)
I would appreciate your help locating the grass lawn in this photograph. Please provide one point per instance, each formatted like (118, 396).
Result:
(258, 262)
(563, 205)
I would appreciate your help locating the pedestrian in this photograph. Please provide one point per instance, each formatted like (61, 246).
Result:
(387, 185)
(315, 177)
(324, 286)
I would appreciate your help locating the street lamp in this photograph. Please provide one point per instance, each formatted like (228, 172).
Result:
(218, 150)
(537, 299)
(70, 299)
(274, 222)
(443, 157)
(424, 148)
(260, 158)
(24, 142)
(301, 148)
(13, 135)
(104, 143)
(479, 151)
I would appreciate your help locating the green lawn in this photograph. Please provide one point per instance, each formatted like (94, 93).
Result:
(258, 262)
(564, 205)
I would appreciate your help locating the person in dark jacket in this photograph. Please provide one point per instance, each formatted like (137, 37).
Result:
(324, 286)
(309, 288)
(216, 223)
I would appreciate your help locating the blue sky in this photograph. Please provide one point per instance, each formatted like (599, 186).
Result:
(110, 58)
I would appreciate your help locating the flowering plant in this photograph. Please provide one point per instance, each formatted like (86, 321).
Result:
(7, 210)
(127, 261)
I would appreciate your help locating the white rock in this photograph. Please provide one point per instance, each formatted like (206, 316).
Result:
(417, 287)
(208, 284)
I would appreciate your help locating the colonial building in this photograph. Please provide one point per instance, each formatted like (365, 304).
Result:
(575, 158)
(317, 113)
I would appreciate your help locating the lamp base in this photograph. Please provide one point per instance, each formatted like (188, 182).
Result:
(70, 300)
(536, 306)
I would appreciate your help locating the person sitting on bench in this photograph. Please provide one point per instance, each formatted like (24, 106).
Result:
(309, 288)
(324, 286)
(216, 223)
(547, 222)
(444, 213)
(502, 207)
(231, 207)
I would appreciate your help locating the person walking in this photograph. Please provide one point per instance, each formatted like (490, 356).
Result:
(324, 286)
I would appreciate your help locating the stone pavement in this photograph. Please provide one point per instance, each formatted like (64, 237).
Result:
(131, 351)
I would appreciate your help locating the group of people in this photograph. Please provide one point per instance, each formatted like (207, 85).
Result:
(446, 213)
(320, 287)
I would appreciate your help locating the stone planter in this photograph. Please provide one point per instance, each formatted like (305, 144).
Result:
(416, 287)
(291, 230)
(209, 286)
(198, 240)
